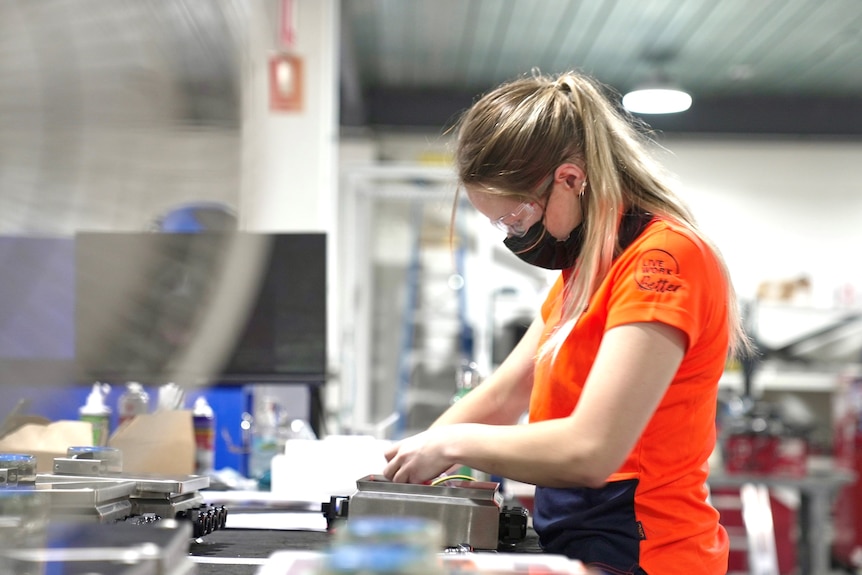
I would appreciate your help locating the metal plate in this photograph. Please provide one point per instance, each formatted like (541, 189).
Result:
(167, 506)
(103, 500)
(475, 490)
(115, 549)
(468, 511)
(86, 493)
(144, 483)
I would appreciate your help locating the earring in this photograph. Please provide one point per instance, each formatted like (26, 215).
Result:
(583, 188)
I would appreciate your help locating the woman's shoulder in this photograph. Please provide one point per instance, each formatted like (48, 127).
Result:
(671, 248)
(664, 233)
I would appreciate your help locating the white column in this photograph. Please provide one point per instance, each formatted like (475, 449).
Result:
(290, 157)
(291, 160)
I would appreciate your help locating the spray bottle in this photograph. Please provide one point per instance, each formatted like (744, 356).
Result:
(134, 401)
(204, 424)
(97, 413)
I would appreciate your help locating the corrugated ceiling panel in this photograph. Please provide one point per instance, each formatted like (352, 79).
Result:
(492, 18)
(716, 47)
(524, 39)
(440, 33)
(661, 38)
(832, 56)
(589, 24)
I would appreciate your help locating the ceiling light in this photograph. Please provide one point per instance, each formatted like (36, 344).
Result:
(657, 98)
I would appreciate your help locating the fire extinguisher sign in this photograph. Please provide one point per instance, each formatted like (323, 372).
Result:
(285, 83)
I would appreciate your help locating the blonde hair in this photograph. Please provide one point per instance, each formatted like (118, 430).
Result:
(515, 136)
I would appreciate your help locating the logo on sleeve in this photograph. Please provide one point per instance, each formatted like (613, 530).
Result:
(657, 271)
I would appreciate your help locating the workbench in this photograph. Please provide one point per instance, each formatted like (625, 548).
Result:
(243, 551)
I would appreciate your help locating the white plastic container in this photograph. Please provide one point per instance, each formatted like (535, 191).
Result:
(97, 413)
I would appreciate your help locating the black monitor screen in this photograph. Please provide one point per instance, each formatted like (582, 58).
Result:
(200, 309)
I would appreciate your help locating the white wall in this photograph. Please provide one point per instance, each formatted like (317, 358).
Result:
(778, 209)
(290, 158)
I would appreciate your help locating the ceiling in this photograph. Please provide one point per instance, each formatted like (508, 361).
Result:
(785, 67)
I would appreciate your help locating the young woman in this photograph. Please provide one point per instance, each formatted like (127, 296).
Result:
(620, 369)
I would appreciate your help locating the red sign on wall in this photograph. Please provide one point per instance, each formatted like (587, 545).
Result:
(285, 83)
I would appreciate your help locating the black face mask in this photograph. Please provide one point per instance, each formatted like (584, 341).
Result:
(539, 248)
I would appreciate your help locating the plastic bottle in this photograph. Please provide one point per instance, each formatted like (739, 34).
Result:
(134, 401)
(97, 413)
(204, 424)
(266, 441)
(468, 378)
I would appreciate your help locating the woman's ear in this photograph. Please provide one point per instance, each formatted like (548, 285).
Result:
(571, 176)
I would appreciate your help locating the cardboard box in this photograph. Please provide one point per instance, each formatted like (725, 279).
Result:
(157, 443)
(162, 443)
(43, 439)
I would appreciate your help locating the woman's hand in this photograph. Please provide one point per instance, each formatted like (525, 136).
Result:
(422, 457)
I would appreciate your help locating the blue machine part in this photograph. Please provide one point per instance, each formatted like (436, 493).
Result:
(198, 217)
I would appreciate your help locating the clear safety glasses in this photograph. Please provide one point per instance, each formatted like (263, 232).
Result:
(518, 222)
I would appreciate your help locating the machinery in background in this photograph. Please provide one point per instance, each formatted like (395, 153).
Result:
(847, 422)
(89, 486)
(763, 437)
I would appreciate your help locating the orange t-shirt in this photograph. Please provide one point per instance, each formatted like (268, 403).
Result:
(666, 275)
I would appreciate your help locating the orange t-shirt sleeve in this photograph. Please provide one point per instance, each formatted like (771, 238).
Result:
(666, 278)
